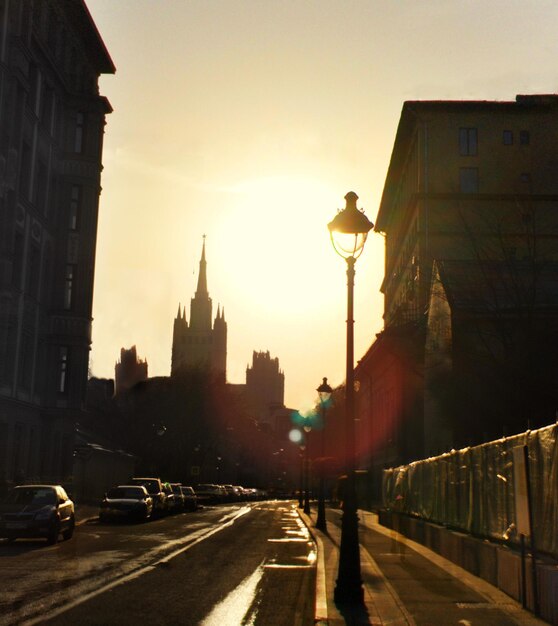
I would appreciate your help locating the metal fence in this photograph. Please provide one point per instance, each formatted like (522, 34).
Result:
(473, 489)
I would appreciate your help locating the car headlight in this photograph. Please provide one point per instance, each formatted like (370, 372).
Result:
(45, 512)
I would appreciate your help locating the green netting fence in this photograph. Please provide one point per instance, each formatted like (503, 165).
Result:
(473, 489)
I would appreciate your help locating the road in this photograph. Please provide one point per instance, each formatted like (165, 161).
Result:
(248, 563)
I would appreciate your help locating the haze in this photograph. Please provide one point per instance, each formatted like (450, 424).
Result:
(248, 121)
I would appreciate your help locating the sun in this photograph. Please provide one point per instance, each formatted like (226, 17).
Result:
(274, 235)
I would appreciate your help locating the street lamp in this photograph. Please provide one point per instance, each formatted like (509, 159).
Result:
(324, 393)
(301, 490)
(307, 428)
(349, 230)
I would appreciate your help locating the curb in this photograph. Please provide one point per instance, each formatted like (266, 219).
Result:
(321, 617)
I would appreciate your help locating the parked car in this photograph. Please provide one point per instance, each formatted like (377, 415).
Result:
(155, 489)
(179, 503)
(126, 502)
(171, 500)
(231, 492)
(190, 498)
(209, 493)
(37, 511)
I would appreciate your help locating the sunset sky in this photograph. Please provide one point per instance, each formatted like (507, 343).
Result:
(248, 121)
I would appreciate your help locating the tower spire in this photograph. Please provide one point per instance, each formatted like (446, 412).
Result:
(201, 291)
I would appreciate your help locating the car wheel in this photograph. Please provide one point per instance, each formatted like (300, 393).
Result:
(52, 536)
(68, 534)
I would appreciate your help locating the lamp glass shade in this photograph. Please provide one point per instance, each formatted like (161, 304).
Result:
(324, 391)
(349, 228)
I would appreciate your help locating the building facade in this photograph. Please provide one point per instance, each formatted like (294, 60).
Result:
(129, 371)
(468, 182)
(52, 121)
(265, 387)
(200, 344)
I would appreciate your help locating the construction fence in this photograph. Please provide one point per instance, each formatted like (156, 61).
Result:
(473, 489)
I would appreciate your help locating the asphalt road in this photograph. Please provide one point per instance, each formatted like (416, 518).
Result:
(228, 565)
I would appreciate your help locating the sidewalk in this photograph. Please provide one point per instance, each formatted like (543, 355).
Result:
(405, 584)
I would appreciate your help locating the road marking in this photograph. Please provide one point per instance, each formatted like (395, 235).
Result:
(198, 536)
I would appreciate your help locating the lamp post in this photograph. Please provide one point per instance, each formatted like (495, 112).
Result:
(324, 392)
(307, 428)
(301, 490)
(349, 230)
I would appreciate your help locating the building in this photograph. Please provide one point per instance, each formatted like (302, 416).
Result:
(468, 182)
(129, 371)
(52, 121)
(200, 344)
(265, 387)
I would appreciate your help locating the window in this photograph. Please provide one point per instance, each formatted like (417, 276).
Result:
(469, 180)
(524, 137)
(507, 138)
(80, 127)
(17, 264)
(33, 272)
(47, 107)
(26, 361)
(25, 172)
(41, 187)
(69, 286)
(75, 199)
(467, 141)
(63, 369)
(526, 182)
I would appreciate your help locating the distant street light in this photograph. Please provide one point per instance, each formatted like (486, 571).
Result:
(349, 230)
(324, 392)
(301, 490)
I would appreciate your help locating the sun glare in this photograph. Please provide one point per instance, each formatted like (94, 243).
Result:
(275, 236)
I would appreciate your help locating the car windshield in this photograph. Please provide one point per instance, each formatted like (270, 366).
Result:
(31, 495)
(129, 493)
(152, 486)
(176, 489)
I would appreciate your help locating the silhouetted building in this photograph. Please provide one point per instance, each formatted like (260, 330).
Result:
(200, 344)
(129, 371)
(470, 182)
(265, 387)
(52, 121)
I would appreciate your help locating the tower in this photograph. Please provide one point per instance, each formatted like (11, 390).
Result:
(200, 344)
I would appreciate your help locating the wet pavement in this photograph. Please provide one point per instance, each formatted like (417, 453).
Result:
(223, 565)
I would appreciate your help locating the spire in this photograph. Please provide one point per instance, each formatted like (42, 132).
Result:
(202, 278)
(178, 314)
